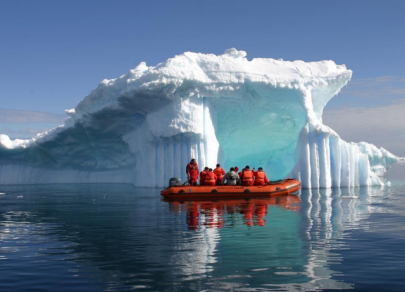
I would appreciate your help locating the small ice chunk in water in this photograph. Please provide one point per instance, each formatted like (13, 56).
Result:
(388, 183)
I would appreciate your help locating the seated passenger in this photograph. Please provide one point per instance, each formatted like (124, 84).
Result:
(260, 178)
(219, 172)
(202, 175)
(210, 178)
(231, 178)
(247, 177)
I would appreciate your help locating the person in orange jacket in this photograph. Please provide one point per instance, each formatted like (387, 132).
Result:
(247, 177)
(210, 178)
(203, 174)
(260, 177)
(219, 172)
(192, 172)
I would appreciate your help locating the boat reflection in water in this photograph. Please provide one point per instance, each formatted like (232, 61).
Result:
(212, 214)
(287, 243)
(119, 238)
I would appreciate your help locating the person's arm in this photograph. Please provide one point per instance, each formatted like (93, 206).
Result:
(223, 179)
(188, 172)
(223, 171)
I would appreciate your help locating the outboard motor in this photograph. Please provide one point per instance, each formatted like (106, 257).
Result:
(174, 181)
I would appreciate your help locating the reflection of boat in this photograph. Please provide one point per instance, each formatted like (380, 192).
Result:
(281, 187)
(211, 214)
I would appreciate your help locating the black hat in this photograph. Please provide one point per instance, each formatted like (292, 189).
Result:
(218, 165)
(232, 169)
(247, 167)
(260, 168)
(210, 169)
(206, 168)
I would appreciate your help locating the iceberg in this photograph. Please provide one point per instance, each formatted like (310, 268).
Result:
(144, 127)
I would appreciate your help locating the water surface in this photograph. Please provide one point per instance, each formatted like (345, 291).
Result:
(121, 238)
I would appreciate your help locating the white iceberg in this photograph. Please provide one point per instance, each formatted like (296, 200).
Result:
(145, 126)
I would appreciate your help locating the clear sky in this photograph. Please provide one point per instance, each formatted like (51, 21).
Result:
(53, 53)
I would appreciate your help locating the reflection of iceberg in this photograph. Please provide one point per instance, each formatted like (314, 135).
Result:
(193, 259)
(128, 238)
(65, 231)
(143, 127)
(294, 250)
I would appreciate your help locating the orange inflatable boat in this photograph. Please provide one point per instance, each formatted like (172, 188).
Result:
(282, 187)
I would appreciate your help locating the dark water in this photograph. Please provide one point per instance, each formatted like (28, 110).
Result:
(121, 238)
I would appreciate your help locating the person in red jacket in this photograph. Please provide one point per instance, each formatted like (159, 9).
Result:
(203, 174)
(210, 178)
(236, 169)
(260, 177)
(219, 172)
(192, 172)
(247, 177)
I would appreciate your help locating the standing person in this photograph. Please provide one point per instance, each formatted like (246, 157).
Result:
(231, 178)
(219, 172)
(203, 174)
(192, 172)
(210, 178)
(236, 169)
(247, 177)
(260, 178)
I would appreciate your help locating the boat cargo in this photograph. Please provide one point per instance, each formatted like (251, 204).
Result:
(276, 188)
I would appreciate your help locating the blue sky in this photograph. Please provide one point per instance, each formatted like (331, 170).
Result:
(53, 53)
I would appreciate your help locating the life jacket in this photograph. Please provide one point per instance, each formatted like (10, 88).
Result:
(203, 174)
(247, 175)
(260, 175)
(210, 177)
(219, 172)
(193, 170)
(192, 166)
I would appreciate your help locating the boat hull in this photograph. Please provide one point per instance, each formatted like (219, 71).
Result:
(283, 187)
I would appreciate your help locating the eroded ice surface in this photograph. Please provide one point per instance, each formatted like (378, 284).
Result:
(144, 126)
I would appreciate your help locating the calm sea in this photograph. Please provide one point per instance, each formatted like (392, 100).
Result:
(121, 238)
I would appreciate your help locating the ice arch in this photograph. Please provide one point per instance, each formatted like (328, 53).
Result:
(144, 126)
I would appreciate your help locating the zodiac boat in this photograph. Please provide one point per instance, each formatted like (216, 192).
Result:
(276, 188)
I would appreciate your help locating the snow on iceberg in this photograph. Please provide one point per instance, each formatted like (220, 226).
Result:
(144, 126)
